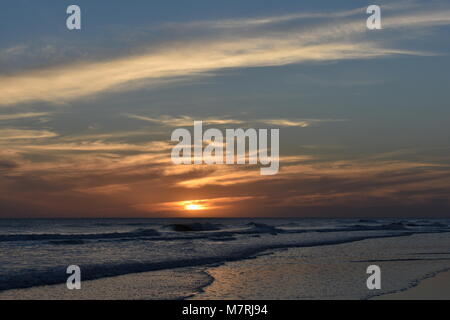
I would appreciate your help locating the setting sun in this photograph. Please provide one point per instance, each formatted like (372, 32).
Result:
(194, 207)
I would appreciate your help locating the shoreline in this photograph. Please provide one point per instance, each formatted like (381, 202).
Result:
(281, 275)
(182, 283)
(435, 287)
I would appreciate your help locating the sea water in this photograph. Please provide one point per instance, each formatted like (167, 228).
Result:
(37, 252)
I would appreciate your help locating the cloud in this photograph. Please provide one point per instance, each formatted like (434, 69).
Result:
(106, 190)
(13, 51)
(12, 134)
(142, 178)
(24, 115)
(170, 61)
(187, 121)
(99, 146)
(240, 23)
(182, 121)
(256, 22)
(101, 136)
(303, 123)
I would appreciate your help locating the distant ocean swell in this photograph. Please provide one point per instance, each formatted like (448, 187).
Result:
(197, 231)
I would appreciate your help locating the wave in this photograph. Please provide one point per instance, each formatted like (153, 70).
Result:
(66, 242)
(433, 226)
(426, 224)
(79, 236)
(213, 231)
(56, 275)
(389, 226)
(199, 230)
(262, 228)
(189, 227)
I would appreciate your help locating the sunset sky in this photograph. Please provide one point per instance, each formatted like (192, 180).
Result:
(86, 116)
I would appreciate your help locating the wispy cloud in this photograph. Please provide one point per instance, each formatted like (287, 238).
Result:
(187, 121)
(182, 121)
(13, 51)
(326, 42)
(249, 22)
(14, 116)
(12, 134)
(96, 146)
(109, 189)
(303, 123)
(239, 23)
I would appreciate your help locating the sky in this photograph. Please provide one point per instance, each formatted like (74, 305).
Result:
(86, 115)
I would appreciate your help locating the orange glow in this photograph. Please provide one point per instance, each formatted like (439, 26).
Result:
(192, 206)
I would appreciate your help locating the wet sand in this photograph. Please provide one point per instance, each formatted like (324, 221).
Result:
(435, 288)
(163, 285)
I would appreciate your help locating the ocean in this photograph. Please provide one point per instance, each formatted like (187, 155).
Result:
(226, 258)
